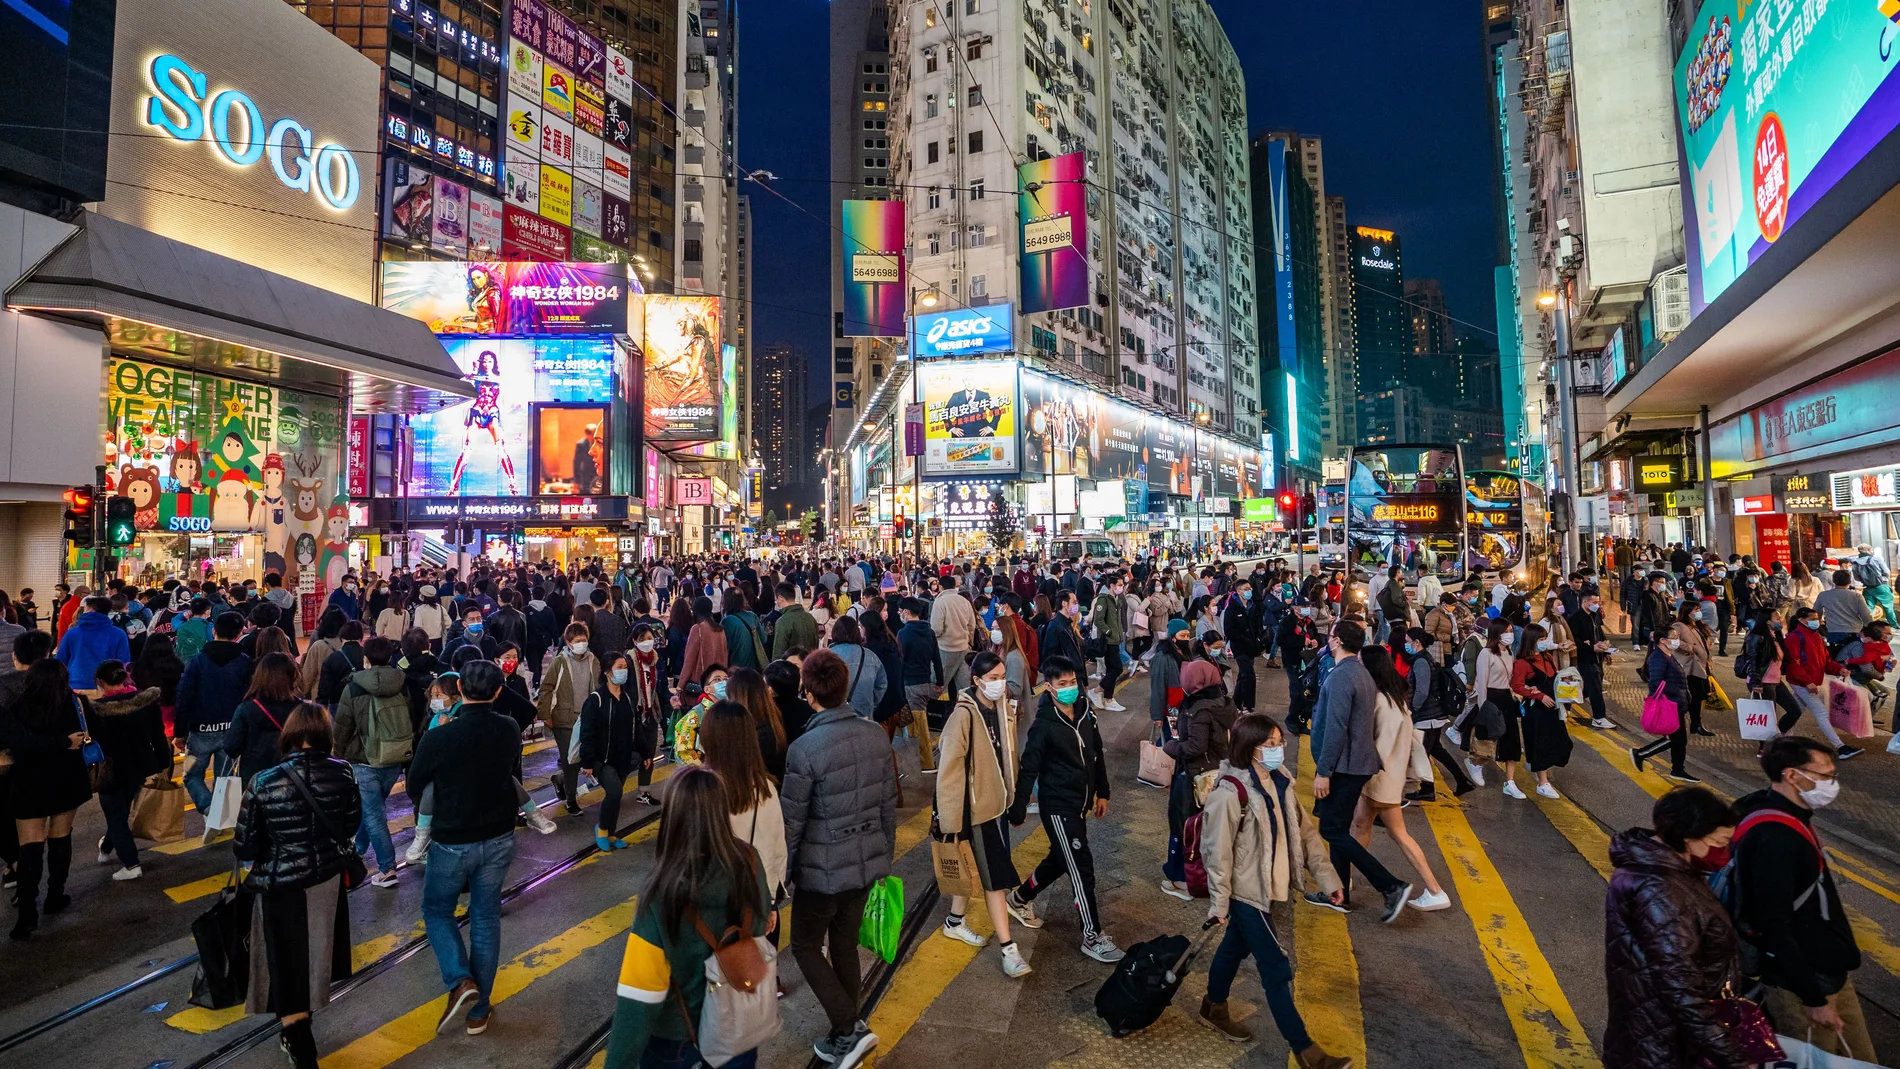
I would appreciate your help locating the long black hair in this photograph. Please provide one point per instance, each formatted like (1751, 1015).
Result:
(696, 847)
(1385, 676)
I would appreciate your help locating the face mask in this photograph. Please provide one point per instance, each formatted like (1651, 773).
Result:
(1824, 793)
(438, 705)
(1246, 595)
(718, 690)
(1269, 757)
(645, 645)
(1216, 653)
(1546, 645)
(993, 688)
(474, 628)
(577, 648)
(1067, 695)
(996, 636)
(509, 664)
(1811, 624)
(1674, 643)
(1752, 580)
(619, 676)
(1592, 606)
(1072, 609)
(1306, 612)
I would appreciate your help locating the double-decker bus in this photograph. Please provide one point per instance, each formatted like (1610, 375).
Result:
(1405, 505)
(1509, 526)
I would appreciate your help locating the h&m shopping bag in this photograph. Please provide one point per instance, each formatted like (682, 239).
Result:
(1797, 1054)
(1757, 717)
(222, 815)
(1850, 708)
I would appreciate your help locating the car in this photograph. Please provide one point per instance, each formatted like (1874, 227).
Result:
(1086, 550)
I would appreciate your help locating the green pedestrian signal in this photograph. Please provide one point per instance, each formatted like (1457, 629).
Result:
(121, 529)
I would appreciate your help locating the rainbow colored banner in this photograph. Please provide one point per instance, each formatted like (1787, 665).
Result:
(874, 276)
(1053, 211)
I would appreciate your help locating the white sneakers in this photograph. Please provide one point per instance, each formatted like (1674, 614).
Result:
(964, 933)
(383, 879)
(1178, 890)
(1114, 706)
(1431, 903)
(1096, 698)
(1476, 771)
(539, 822)
(1014, 966)
(1601, 723)
(1452, 736)
(1548, 791)
(1511, 790)
(418, 852)
(131, 873)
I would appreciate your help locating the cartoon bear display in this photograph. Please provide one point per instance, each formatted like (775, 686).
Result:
(141, 485)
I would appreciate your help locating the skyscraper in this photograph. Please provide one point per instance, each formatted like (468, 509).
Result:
(780, 381)
(1434, 366)
(1382, 333)
(1291, 287)
(1342, 359)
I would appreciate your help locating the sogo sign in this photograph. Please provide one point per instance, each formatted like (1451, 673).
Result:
(182, 106)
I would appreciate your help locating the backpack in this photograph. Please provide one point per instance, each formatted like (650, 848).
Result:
(388, 736)
(190, 638)
(1448, 691)
(1191, 861)
(1867, 574)
(1727, 886)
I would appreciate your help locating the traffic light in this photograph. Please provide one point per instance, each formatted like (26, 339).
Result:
(120, 528)
(1289, 503)
(79, 518)
(901, 527)
(1308, 509)
(817, 528)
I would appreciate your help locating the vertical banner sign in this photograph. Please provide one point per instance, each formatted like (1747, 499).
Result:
(1771, 540)
(914, 430)
(1053, 212)
(873, 268)
(359, 456)
(1287, 338)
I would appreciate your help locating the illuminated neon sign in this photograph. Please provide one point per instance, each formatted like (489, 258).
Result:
(1425, 513)
(183, 107)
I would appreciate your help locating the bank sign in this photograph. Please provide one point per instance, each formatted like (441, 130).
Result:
(1777, 101)
(964, 331)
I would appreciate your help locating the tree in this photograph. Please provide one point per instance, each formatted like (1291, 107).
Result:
(1001, 526)
(769, 521)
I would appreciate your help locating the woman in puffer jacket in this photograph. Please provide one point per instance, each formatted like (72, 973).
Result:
(1252, 816)
(300, 928)
(1670, 948)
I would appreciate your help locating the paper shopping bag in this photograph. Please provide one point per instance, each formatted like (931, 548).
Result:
(1798, 1054)
(223, 812)
(955, 866)
(159, 814)
(1157, 768)
(1570, 685)
(1757, 717)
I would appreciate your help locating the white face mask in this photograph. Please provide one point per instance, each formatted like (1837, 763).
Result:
(645, 645)
(438, 705)
(996, 636)
(1823, 794)
(993, 688)
(1673, 643)
(1546, 645)
(577, 648)
(1269, 757)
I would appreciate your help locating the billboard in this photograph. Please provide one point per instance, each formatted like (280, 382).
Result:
(969, 417)
(505, 297)
(1072, 430)
(481, 447)
(571, 446)
(1053, 212)
(1775, 104)
(678, 342)
(874, 276)
(964, 331)
(1284, 332)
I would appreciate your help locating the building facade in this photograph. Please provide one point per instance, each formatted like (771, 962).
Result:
(1381, 327)
(1292, 286)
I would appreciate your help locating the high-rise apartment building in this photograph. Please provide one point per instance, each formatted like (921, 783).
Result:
(782, 372)
(1150, 93)
(1382, 333)
(1342, 359)
(1434, 366)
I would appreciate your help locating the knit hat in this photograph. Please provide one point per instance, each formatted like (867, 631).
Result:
(1178, 626)
(1198, 675)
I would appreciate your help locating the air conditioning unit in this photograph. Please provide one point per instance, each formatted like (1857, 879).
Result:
(1670, 292)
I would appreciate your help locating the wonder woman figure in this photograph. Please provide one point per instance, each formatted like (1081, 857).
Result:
(484, 413)
(484, 298)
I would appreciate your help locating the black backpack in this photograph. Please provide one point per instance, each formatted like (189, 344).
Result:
(1448, 691)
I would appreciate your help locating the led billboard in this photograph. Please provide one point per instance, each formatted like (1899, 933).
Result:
(481, 447)
(502, 297)
(678, 342)
(964, 332)
(969, 417)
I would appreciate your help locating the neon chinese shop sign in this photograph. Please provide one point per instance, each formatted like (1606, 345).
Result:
(183, 106)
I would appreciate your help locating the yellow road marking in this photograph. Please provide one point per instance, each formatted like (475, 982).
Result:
(199, 1021)
(1584, 834)
(1547, 1029)
(1326, 982)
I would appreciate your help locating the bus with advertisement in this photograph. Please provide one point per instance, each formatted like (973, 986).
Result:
(1509, 526)
(1404, 505)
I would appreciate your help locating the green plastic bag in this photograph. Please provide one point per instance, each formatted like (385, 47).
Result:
(883, 918)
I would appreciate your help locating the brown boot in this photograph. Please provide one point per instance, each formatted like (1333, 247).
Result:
(1315, 1058)
(1214, 1015)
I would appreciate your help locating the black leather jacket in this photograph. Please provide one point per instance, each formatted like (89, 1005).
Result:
(279, 834)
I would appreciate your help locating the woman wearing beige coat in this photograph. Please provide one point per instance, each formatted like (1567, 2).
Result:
(1693, 657)
(976, 780)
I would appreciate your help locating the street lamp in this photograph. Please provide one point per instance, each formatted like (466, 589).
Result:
(1546, 299)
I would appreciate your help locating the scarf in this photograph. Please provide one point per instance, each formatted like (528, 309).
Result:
(646, 687)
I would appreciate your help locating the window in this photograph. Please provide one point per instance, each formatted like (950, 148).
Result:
(930, 16)
(974, 50)
(935, 243)
(930, 152)
(971, 7)
(976, 236)
(976, 95)
(867, 68)
(953, 239)
(692, 254)
(979, 284)
(930, 105)
(976, 141)
(953, 286)
(933, 198)
(930, 60)
(976, 186)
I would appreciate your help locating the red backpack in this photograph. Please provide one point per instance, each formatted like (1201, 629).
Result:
(1191, 861)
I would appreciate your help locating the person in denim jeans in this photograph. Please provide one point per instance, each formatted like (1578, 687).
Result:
(378, 684)
(470, 762)
(208, 694)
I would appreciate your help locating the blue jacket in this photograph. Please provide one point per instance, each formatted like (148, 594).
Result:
(343, 599)
(210, 690)
(917, 644)
(92, 638)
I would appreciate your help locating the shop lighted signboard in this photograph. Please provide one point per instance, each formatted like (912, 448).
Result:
(484, 511)
(1755, 505)
(1869, 489)
(964, 331)
(692, 490)
(1807, 501)
(969, 417)
(492, 297)
(1776, 103)
(1052, 210)
(1260, 510)
(1071, 429)
(1655, 476)
(1811, 482)
(678, 340)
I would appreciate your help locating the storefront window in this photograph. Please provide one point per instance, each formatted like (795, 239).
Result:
(231, 479)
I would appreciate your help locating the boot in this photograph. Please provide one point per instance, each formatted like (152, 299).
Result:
(1315, 1058)
(299, 1045)
(27, 895)
(59, 861)
(1214, 1015)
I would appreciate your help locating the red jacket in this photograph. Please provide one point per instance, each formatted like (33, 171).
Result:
(1808, 661)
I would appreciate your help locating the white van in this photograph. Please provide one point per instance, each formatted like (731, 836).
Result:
(1086, 550)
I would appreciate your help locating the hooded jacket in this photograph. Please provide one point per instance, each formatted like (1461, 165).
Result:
(1808, 662)
(1200, 742)
(917, 645)
(209, 691)
(565, 687)
(1259, 848)
(1668, 951)
(967, 742)
(358, 700)
(92, 638)
(1062, 762)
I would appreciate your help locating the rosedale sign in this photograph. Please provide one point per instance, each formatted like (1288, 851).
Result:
(183, 107)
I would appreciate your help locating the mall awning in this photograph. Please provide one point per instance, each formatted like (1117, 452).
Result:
(179, 302)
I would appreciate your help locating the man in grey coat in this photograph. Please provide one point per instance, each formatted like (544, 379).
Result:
(1348, 757)
(840, 802)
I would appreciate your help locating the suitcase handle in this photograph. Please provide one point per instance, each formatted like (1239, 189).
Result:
(1187, 958)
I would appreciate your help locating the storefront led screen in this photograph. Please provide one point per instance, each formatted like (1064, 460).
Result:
(1071, 430)
(502, 297)
(481, 447)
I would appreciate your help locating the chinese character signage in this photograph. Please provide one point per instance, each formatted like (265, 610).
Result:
(969, 417)
(501, 297)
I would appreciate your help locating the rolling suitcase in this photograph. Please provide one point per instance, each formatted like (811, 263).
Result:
(1144, 982)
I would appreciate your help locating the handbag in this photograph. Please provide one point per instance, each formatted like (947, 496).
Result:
(740, 1011)
(1660, 715)
(223, 936)
(355, 872)
(98, 769)
(159, 814)
(1748, 1027)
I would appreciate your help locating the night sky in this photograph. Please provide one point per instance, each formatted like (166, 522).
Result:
(1396, 92)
